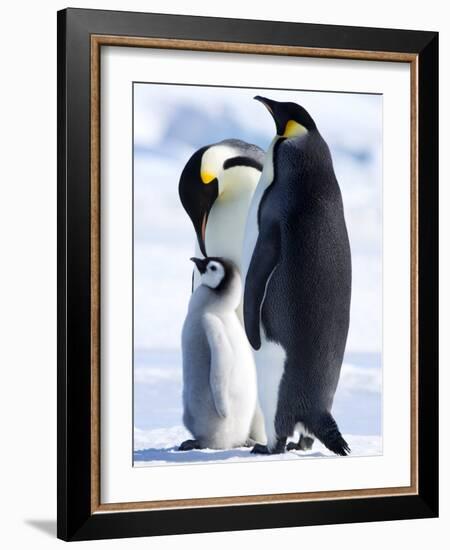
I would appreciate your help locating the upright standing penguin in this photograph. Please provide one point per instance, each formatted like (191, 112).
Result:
(297, 268)
(219, 376)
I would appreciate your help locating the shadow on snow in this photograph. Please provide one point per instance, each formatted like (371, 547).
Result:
(172, 454)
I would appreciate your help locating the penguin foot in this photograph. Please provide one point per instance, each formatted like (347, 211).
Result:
(305, 443)
(279, 448)
(250, 442)
(189, 445)
(259, 449)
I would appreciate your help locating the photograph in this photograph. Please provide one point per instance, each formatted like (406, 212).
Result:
(257, 274)
(247, 274)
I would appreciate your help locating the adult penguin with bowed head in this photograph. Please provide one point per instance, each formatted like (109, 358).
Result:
(216, 188)
(297, 268)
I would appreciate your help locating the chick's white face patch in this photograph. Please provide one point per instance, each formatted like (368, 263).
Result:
(214, 274)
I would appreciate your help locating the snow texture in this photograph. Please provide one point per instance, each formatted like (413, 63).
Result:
(158, 412)
(160, 447)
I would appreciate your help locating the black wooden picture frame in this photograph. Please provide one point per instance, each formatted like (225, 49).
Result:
(79, 517)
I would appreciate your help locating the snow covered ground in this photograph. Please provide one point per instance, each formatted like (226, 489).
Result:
(161, 448)
(158, 412)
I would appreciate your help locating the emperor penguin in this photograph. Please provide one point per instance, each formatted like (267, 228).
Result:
(216, 188)
(297, 270)
(219, 375)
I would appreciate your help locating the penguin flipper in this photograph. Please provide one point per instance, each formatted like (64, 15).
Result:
(221, 361)
(262, 266)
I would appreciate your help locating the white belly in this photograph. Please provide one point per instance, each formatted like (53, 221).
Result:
(225, 229)
(270, 360)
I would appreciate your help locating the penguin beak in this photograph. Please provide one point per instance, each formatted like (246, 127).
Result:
(197, 198)
(276, 110)
(200, 263)
(200, 211)
(268, 103)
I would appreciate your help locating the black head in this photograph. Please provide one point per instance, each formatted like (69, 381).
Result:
(197, 195)
(215, 272)
(291, 120)
(199, 184)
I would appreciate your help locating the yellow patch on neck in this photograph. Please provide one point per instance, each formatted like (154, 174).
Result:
(207, 177)
(294, 129)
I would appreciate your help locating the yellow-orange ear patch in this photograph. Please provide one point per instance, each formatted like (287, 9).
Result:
(294, 129)
(206, 176)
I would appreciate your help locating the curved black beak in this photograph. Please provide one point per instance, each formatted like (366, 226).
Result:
(200, 263)
(277, 111)
(197, 197)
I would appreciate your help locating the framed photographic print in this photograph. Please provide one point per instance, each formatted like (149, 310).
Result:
(286, 375)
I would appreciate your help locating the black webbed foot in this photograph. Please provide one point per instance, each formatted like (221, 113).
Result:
(189, 445)
(305, 443)
(259, 449)
(279, 448)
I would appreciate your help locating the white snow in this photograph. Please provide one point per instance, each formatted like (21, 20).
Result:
(160, 447)
(158, 411)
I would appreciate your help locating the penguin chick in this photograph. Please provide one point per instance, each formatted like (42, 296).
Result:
(219, 374)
